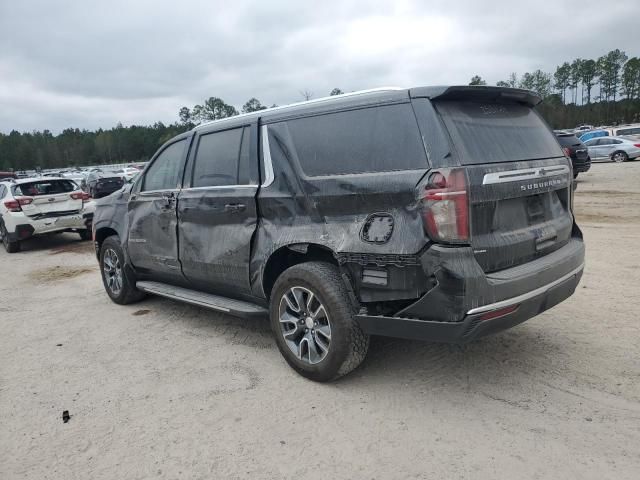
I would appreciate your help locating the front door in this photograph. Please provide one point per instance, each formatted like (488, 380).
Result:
(217, 212)
(153, 242)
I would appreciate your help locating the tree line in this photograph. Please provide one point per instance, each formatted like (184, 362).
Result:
(598, 91)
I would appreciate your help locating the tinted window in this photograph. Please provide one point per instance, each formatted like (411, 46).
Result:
(369, 140)
(591, 143)
(165, 172)
(616, 142)
(45, 187)
(568, 140)
(217, 159)
(497, 132)
(1, 191)
(604, 141)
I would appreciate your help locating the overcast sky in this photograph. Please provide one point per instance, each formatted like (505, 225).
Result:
(90, 64)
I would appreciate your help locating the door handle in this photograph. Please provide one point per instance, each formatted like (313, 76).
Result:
(168, 198)
(234, 207)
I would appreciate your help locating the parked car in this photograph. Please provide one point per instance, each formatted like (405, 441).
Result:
(592, 134)
(7, 176)
(576, 151)
(628, 130)
(31, 207)
(617, 149)
(100, 184)
(433, 213)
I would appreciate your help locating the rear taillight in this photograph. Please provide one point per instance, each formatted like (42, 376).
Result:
(84, 196)
(567, 151)
(445, 206)
(16, 204)
(636, 145)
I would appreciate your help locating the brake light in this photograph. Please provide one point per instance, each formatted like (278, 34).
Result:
(567, 151)
(445, 206)
(499, 313)
(636, 145)
(16, 204)
(80, 196)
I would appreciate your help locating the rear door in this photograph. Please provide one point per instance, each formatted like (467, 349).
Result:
(153, 241)
(519, 180)
(217, 212)
(50, 198)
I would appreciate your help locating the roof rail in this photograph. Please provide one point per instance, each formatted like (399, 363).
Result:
(306, 102)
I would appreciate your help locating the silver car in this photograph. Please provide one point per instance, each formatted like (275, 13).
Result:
(618, 149)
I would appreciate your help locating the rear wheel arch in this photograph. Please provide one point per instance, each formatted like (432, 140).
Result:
(290, 255)
(102, 234)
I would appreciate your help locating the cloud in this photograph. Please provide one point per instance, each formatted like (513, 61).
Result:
(91, 64)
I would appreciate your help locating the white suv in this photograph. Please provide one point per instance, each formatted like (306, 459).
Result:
(31, 207)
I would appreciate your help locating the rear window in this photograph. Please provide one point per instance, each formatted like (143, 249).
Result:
(45, 187)
(568, 140)
(497, 132)
(376, 139)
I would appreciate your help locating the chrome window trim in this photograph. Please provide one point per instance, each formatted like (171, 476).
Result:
(221, 187)
(525, 296)
(151, 192)
(524, 174)
(266, 157)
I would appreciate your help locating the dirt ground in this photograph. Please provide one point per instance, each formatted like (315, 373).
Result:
(163, 390)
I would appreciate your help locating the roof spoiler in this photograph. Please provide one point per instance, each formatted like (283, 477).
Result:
(481, 93)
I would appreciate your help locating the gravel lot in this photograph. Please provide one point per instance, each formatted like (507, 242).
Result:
(163, 390)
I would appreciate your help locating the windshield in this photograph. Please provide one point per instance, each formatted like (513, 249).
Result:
(497, 132)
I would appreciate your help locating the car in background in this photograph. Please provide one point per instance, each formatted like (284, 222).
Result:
(575, 150)
(100, 184)
(632, 130)
(617, 149)
(7, 176)
(30, 207)
(592, 134)
(128, 172)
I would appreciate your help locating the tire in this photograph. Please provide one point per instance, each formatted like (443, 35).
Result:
(619, 156)
(117, 279)
(318, 357)
(9, 246)
(85, 234)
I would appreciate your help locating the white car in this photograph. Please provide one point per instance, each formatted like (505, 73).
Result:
(37, 206)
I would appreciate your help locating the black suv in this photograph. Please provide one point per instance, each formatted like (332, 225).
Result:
(576, 151)
(433, 213)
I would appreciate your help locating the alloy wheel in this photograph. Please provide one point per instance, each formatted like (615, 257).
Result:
(305, 325)
(112, 270)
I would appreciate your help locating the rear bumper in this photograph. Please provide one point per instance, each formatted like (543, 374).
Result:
(473, 326)
(581, 165)
(24, 227)
(466, 303)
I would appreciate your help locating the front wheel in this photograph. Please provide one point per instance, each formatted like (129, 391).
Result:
(312, 318)
(118, 282)
(620, 157)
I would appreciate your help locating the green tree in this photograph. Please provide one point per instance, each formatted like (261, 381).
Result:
(588, 75)
(574, 78)
(477, 80)
(336, 91)
(185, 116)
(252, 105)
(561, 79)
(631, 79)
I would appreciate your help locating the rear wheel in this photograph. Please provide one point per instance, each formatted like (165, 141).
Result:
(619, 157)
(312, 319)
(118, 281)
(9, 246)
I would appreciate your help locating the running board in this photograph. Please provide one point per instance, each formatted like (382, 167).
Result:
(207, 300)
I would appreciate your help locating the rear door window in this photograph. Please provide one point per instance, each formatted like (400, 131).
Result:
(218, 158)
(377, 139)
(497, 132)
